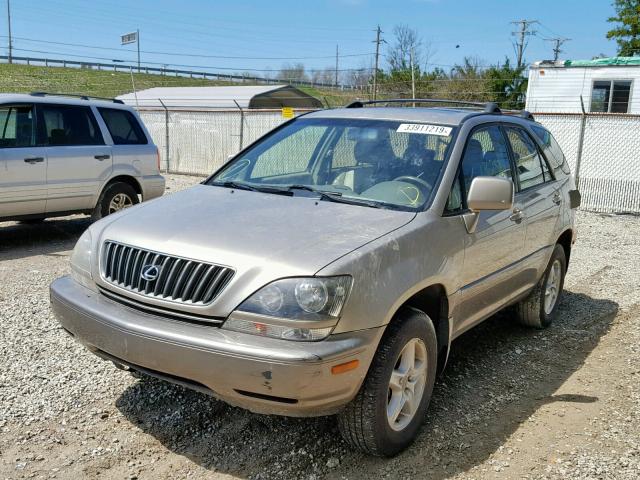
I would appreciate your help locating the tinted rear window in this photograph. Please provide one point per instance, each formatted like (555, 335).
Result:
(68, 125)
(123, 127)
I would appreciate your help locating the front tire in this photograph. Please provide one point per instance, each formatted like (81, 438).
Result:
(385, 416)
(115, 197)
(539, 308)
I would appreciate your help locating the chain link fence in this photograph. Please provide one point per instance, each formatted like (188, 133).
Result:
(603, 151)
(199, 142)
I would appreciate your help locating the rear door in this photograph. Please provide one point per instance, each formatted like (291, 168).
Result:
(23, 165)
(538, 192)
(131, 147)
(78, 160)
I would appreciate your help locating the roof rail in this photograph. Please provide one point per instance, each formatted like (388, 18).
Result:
(489, 107)
(73, 95)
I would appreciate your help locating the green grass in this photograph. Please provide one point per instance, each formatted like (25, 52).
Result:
(16, 78)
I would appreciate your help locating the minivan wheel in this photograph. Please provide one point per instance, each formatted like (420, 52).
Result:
(114, 198)
(539, 308)
(386, 414)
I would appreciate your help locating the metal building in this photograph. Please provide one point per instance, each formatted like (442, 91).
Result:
(230, 97)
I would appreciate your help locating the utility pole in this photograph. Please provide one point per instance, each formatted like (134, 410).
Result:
(9, 23)
(336, 83)
(558, 42)
(522, 34)
(375, 72)
(413, 76)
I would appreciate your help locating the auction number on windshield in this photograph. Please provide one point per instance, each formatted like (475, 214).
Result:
(424, 129)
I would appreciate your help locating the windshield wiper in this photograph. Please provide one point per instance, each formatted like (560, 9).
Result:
(236, 185)
(337, 197)
(246, 186)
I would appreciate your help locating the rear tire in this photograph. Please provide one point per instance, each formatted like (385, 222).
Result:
(539, 308)
(115, 197)
(385, 416)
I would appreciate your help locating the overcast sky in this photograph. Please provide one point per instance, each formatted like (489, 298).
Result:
(262, 33)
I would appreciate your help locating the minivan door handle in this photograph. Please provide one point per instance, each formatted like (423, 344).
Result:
(33, 160)
(557, 199)
(102, 157)
(516, 215)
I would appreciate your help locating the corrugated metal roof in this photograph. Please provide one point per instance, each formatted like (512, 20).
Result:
(270, 96)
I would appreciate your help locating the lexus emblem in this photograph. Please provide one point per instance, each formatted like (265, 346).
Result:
(149, 273)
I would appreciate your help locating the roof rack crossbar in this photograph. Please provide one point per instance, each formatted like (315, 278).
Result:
(74, 95)
(489, 107)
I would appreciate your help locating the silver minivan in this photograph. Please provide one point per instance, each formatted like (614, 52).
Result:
(327, 268)
(61, 155)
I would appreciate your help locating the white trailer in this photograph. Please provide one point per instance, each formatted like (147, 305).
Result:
(606, 85)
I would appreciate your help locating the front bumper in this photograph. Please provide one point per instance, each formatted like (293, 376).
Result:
(153, 186)
(264, 375)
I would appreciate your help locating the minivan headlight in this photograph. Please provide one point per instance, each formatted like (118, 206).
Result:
(305, 308)
(81, 260)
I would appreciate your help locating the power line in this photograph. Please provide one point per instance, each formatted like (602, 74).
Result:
(311, 69)
(522, 34)
(180, 54)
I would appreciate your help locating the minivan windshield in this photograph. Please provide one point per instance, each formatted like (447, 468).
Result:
(374, 163)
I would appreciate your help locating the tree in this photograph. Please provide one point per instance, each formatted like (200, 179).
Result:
(627, 31)
(292, 73)
(406, 41)
(506, 86)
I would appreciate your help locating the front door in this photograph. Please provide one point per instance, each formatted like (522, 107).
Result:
(23, 165)
(492, 252)
(78, 160)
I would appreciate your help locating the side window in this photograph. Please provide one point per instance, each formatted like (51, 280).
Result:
(486, 155)
(553, 150)
(67, 125)
(17, 126)
(123, 127)
(530, 166)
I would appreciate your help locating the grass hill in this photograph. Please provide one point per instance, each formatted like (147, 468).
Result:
(17, 78)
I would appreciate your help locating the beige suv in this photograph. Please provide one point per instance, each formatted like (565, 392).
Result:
(327, 268)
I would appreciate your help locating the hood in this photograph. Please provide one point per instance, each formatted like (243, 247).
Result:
(261, 236)
(230, 227)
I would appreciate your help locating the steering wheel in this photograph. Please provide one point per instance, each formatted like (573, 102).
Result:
(423, 185)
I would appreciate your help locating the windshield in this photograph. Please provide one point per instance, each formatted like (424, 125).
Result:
(387, 164)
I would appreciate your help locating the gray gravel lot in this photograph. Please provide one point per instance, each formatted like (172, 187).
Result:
(513, 403)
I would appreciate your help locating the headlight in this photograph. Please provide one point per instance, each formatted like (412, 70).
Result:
(293, 308)
(81, 260)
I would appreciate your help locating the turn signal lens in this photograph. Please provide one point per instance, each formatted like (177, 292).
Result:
(345, 367)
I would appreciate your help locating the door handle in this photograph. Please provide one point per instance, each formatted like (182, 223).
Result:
(516, 215)
(33, 160)
(102, 157)
(557, 199)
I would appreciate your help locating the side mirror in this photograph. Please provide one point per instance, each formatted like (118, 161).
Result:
(487, 193)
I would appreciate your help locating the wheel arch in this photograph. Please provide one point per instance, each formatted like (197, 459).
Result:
(433, 301)
(565, 239)
(128, 179)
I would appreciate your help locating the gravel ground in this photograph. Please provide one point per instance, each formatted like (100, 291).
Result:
(513, 403)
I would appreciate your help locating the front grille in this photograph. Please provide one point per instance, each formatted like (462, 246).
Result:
(177, 279)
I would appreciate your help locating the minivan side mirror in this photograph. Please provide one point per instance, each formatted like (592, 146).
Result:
(487, 193)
